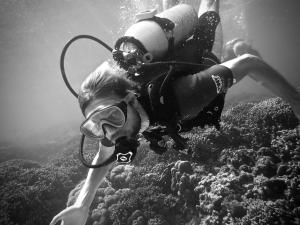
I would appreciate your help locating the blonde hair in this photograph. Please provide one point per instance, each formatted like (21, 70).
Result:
(106, 81)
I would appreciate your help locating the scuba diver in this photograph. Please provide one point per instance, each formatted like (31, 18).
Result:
(162, 87)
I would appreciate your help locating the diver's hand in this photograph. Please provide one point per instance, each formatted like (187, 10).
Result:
(73, 215)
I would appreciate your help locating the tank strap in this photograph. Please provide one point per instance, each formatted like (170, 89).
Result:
(164, 23)
(168, 26)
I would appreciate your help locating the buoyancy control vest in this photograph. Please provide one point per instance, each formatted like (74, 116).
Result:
(156, 92)
(160, 103)
(187, 44)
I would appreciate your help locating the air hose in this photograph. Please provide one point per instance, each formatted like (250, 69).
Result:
(143, 65)
(138, 67)
(63, 54)
(173, 63)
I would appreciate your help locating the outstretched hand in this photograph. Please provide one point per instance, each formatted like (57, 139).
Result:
(72, 215)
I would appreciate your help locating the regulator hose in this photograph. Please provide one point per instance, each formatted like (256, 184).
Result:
(85, 36)
(173, 63)
(63, 54)
(119, 150)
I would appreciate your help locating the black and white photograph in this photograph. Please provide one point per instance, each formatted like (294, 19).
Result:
(149, 112)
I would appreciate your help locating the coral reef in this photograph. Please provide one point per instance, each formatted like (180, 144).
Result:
(245, 173)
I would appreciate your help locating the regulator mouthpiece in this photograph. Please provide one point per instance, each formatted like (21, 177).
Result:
(124, 153)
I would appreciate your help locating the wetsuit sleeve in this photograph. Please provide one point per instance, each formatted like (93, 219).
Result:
(221, 76)
(194, 92)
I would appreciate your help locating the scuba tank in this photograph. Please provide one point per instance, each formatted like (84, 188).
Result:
(153, 36)
(156, 51)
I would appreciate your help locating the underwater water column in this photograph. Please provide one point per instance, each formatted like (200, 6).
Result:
(273, 28)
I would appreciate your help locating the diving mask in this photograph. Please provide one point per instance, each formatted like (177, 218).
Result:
(114, 116)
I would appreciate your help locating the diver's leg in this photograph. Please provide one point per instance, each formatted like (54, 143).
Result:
(208, 5)
(217, 36)
(237, 47)
(169, 3)
(264, 74)
(228, 52)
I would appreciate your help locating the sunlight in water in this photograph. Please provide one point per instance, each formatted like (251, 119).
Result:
(129, 8)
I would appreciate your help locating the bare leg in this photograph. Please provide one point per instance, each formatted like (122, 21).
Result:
(238, 47)
(169, 3)
(264, 74)
(228, 51)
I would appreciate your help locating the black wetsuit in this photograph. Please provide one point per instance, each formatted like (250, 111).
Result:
(193, 96)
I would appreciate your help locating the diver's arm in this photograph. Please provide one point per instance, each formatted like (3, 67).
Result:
(77, 214)
(94, 177)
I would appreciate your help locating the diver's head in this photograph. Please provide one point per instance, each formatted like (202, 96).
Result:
(108, 102)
